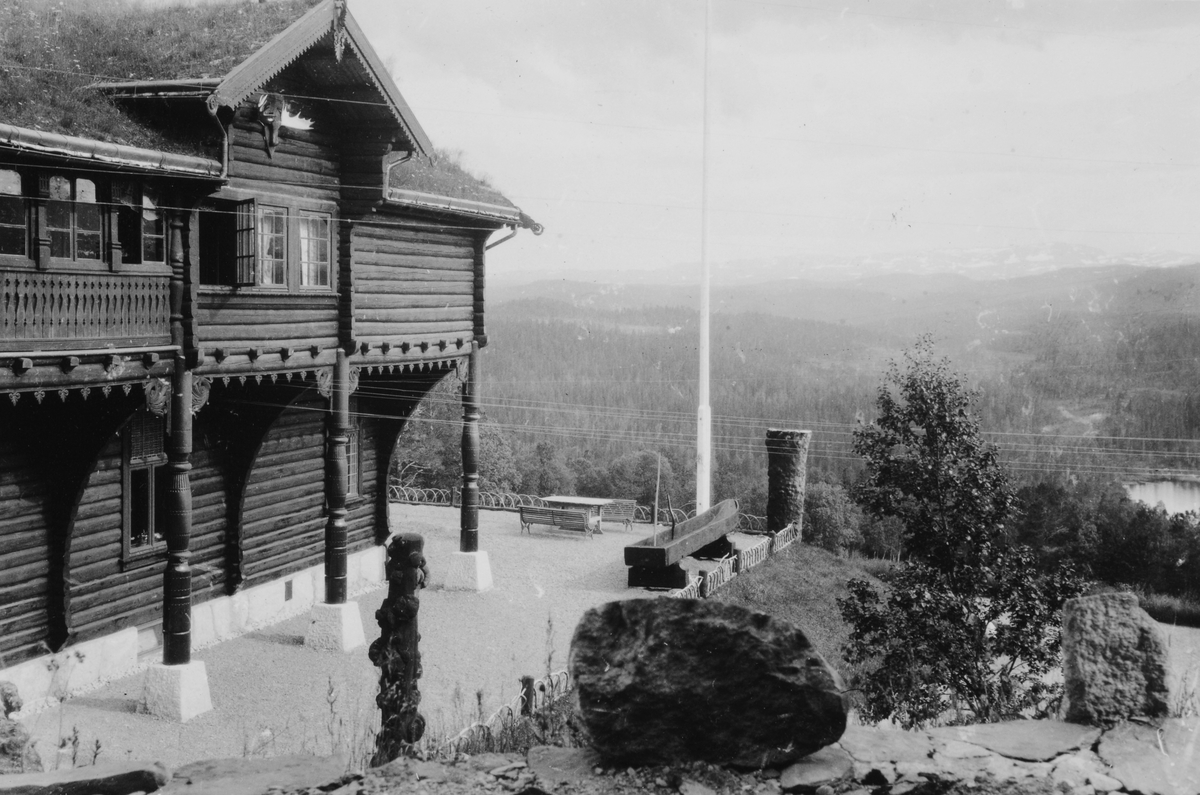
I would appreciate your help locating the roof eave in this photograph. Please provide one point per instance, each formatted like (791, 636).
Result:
(120, 156)
(501, 214)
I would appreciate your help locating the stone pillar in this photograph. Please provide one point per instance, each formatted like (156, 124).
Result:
(397, 650)
(787, 458)
(469, 569)
(336, 625)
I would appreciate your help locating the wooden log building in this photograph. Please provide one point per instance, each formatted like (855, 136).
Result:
(209, 345)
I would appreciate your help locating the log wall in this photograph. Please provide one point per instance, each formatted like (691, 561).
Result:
(412, 285)
(283, 511)
(236, 323)
(305, 164)
(24, 558)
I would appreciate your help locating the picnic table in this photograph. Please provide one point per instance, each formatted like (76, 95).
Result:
(592, 506)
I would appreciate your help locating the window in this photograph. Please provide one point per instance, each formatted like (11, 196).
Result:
(314, 249)
(246, 244)
(12, 214)
(144, 485)
(73, 219)
(354, 454)
(272, 247)
(141, 230)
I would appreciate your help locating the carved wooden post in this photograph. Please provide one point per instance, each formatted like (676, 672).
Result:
(397, 652)
(787, 457)
(338, 442)
(177, 579)
(469, 535)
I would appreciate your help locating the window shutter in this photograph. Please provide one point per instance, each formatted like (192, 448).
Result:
(247, 244)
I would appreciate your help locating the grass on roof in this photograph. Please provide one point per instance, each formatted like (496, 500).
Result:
(443, 174)
(51, 51)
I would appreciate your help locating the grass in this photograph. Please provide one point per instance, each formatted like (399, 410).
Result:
(52, 51)
(802, 585)
(1178, 610)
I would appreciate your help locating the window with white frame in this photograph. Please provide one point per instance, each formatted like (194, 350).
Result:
(314, 249)
(13, 231)
(73, 219)
(272, 247)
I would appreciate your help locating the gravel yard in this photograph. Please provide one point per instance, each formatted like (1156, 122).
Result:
(272, 696)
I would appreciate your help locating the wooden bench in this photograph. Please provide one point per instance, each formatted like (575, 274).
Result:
(566, 518)
(620, 511)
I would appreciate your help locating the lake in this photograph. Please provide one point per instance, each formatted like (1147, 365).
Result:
(1176, 495)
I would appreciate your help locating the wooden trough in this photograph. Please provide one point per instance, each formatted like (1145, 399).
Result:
(654, 562)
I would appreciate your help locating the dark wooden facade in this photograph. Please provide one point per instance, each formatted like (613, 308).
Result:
(260, 271)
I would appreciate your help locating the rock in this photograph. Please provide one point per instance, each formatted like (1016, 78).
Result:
(957, 749)
(678, 679)
(103, 779)
(428, 770)
(1114, 660)
(1027, 740)
(1155, 761)
(827, 766)
(1102, 783)
(554, 765)
(689, 787)
(871, 745)
(16, 754)
(254, 776)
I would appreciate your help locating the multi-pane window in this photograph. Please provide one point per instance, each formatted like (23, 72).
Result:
(272, 247)
(12, 214)
(153, 232)
(73, 219)
(144, 484)
(314, 250)
(354, 454)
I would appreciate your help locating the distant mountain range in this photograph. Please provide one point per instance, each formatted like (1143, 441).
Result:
(979, 263)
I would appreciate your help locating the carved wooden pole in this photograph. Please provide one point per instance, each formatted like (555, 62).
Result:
(397, 650)
(469, 535)
(787, 457)
(177, 579)
(338, 441)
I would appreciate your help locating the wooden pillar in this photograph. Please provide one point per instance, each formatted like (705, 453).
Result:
(469, 535)
(177, 579)
(787, 459)
(337, 444)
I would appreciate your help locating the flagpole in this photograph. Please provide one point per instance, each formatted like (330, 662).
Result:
(704, 411)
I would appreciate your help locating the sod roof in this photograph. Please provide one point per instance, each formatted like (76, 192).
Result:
(51, 52)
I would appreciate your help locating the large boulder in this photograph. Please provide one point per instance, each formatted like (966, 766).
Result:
(672, 680)
(1114, 660)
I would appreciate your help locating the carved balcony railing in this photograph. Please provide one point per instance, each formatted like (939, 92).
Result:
(46, 310)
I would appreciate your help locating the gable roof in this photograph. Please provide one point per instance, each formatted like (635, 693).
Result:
(329, 23)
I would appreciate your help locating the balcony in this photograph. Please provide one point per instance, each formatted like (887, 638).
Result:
(55, 311)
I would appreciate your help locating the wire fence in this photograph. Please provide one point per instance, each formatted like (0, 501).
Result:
(730, 566)
(507, 501)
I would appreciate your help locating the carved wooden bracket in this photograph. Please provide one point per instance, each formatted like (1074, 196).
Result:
(339, 29)
(270, 118)
(158, 396)
(325, 381)
(201, 386)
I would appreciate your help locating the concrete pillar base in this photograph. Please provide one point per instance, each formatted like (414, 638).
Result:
(176, 692)
(335, 628)
(469, 571)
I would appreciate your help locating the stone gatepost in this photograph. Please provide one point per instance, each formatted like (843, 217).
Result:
(396, 653)
(787, 460)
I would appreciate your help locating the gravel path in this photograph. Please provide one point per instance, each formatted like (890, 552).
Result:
(272, 696)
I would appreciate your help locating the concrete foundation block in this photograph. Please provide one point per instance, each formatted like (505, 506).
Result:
(176, 692)
(335, 628)
(469, 571)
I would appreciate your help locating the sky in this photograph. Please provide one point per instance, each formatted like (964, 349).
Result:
(835, 130)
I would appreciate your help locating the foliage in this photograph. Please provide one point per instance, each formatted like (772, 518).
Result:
(969, 627)
(832, 520)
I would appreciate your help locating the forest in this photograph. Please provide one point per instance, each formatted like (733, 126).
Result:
(1083, 380)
